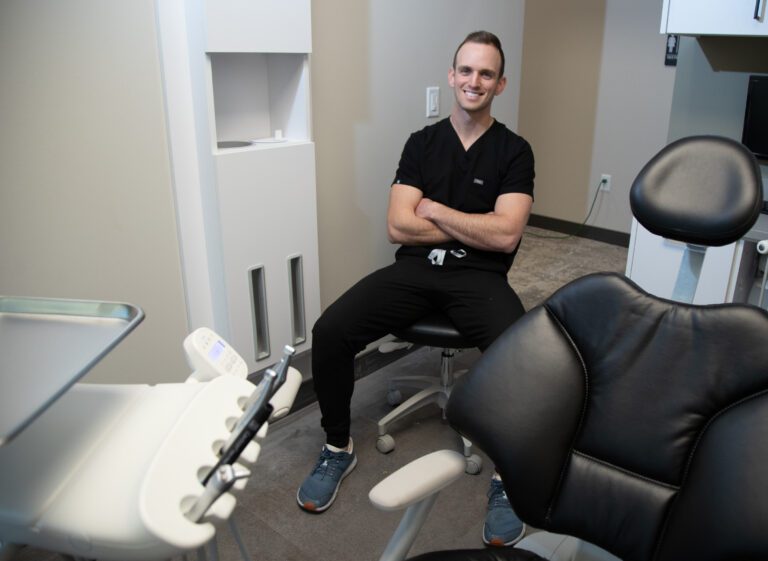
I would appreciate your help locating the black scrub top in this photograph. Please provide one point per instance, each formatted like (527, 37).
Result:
(434, 161)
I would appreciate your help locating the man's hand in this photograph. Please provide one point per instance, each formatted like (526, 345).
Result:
(423, 208)
(404, 225)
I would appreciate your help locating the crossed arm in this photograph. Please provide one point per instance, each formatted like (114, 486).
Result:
(415, 220)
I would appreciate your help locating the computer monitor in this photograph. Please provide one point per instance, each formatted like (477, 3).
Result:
(755, 133)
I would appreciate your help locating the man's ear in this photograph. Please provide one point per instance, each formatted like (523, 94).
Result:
(451, 76)
(501, 85)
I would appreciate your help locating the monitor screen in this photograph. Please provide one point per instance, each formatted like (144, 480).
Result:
(755, 133)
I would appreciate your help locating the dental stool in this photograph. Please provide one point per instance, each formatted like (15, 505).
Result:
(434, 330)
(617, 419)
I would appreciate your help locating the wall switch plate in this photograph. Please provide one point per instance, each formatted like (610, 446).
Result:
(433, 101)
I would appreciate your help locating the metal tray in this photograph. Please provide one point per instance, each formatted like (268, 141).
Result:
(46, 345)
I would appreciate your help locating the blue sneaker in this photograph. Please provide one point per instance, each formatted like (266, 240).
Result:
(319, 489)
(502, 526)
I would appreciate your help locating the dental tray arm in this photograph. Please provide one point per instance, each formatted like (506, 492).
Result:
(415, 487)
(120, 467)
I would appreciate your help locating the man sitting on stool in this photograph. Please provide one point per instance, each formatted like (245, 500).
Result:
(460, 200)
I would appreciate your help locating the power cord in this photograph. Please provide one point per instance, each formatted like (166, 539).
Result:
(581, 226)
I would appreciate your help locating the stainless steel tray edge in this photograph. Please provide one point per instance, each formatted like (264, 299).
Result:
(128, 315)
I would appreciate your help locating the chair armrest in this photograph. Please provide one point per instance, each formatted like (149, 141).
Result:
(414, 487)
(418, 480)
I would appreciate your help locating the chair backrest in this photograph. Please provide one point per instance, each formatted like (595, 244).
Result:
(636, 423)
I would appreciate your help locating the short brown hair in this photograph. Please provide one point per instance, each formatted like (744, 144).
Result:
(484, 38)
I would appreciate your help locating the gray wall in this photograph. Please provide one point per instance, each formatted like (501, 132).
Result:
(634, 101)
(558, 100)
(595, 99)
(86, 209)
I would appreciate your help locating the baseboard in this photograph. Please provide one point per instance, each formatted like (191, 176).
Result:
(583, 231)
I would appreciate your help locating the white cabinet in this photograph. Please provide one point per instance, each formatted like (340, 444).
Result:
(264, 161)
(653, 263)
(258, 26)
(714, 17)
(732, 273)
(236, 78)
(267, 205)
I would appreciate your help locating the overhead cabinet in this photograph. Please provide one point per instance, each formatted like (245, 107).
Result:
(714, 17)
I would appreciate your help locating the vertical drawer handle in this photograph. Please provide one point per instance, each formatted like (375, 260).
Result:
(296, 292)
(258, 285)
(757, 9)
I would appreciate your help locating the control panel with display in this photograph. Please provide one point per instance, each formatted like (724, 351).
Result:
(210, 356)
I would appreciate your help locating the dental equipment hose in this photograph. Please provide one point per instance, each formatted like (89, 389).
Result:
(762, 249)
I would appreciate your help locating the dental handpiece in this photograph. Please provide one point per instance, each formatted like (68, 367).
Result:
(281, 369)
(253, 402)
(219, 483)
(262, 409)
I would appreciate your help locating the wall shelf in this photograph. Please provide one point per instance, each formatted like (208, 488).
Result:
(259, 96)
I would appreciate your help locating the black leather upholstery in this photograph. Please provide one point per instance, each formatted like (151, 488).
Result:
(635, 423)
(504, 554)
(703, 190)
(434, 330)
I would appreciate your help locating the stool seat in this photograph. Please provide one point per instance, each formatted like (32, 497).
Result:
(434, 330)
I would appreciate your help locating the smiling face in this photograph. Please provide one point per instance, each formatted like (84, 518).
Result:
(475, 77)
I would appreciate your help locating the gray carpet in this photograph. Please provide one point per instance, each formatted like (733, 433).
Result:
(271, 523)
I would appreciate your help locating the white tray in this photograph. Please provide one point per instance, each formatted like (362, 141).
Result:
(46, 345)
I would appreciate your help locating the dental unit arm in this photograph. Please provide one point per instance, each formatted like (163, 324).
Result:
(69, 486)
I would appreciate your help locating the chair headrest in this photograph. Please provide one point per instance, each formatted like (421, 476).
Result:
(704, 190)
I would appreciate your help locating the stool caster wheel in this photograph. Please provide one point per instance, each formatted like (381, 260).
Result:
(394, 397)
(385, 444)
(474, 465)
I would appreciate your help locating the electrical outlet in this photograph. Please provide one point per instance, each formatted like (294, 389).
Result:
(605, 182)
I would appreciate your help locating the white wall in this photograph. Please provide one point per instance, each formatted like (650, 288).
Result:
(86, 208)
(633, 105)
(372, 61)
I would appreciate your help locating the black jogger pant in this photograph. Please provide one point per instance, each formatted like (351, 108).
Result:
(481, 305)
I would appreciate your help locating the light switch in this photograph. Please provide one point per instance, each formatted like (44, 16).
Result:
(433, 101)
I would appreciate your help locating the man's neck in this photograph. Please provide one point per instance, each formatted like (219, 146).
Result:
(470, 126)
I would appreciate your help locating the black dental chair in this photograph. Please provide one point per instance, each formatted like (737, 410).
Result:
(634, 423)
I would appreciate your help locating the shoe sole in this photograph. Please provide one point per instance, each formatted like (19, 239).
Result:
(507, 544)
(335, 491)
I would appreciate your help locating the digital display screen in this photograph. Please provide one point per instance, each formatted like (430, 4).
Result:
(755, 133)
(216, 350)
